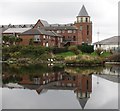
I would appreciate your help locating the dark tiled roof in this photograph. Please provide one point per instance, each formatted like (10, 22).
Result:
(17, 26)
(61, 27)
(45, 23)
(110, 41)
(83, 12)
(37, 31)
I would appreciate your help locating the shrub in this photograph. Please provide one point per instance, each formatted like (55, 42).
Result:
(57, 50)
(74, 49)
(86, 48)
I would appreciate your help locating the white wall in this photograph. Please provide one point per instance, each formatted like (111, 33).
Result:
(106, 47)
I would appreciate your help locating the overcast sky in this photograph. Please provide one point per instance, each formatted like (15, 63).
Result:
(104, 13)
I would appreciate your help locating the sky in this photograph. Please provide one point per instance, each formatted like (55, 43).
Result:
(103, 13)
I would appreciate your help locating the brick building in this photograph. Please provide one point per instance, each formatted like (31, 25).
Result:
(64, 34)
(39, 36)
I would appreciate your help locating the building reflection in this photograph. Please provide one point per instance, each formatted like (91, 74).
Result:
(78, 80)
(79, 83)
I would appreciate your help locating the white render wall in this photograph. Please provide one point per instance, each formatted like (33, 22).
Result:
(106, 47)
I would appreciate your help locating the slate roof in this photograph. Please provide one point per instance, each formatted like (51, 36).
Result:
(45, 23)
(110, 41)
(83, 12)
(15, 30)
(38, 31)
(61, 27)
(17, 26)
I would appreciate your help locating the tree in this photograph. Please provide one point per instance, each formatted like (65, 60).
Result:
(18, 40)
(5, 39)
(31, 42)
(12, 39)
(74, 49)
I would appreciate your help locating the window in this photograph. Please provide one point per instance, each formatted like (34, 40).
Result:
(81, 28)
(74, 38)
(86, 19)
(63, 31)
(87, 29)
(44, 36)
(69, 31)
(46, 44)
(63, 38)
(81, 19)
(36, 38)
(87, 85)
(58, 31)
(74, 31)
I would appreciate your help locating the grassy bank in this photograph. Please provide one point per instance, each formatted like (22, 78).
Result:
(38, 54)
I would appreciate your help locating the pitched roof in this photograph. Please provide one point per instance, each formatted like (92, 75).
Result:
(83, 12)
(16, 30)
(38, 31)
(17, 26)
(61, 27)
(110, 41)
(45, 23)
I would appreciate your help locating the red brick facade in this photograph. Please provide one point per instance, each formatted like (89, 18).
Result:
(47, 41)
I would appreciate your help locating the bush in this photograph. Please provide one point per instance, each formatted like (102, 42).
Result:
(13, 49)
(59, 57)
(33, 50)
(98, 51)
(57, 50)
(74, 49)
(86, 48)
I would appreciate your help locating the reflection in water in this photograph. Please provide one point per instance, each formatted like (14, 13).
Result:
(41, 80)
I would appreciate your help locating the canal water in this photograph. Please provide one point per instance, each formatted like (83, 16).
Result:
(59, 87)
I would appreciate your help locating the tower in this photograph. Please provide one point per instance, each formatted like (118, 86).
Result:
(84, 24)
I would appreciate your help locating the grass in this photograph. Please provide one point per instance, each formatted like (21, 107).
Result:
(66, 54)
(104, 54)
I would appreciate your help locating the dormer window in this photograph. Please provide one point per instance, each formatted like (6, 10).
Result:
(37, 38)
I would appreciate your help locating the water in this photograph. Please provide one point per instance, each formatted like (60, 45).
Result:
(57, 87)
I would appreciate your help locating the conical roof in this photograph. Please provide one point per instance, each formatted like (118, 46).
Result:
(83, 102)
(83, 12)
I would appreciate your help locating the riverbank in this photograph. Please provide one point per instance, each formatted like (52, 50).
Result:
(71, 56)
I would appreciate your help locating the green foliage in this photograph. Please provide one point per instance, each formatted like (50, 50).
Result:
(15, 54)
(18, 40)
(5, 39)
(56, 50)
(65, 54)
(31, 42)
(85, 48)
(74, 49)
(14, 48)
(25, 51)
(98, 51)
(33, 50)
(11, 39)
